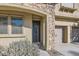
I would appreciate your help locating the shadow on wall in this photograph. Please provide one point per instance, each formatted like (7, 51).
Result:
(74, 53)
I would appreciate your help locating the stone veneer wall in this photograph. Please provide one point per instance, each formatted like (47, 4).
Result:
(51, 27)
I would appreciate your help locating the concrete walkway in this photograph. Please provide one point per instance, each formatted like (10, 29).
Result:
(43, 53)
(68, 49)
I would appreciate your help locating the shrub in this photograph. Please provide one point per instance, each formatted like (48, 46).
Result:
(2, 51)
(21, 48)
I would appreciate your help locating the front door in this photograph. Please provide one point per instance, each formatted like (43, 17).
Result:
(36, 31)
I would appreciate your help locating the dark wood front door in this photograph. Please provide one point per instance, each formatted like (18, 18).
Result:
(36, 31)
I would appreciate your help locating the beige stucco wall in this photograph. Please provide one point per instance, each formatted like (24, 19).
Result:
(66, 19)
(65, 23)
(42, 32)
(5, 39)
(75, 14)
(27, 28)
(26, 11)
(68, 25)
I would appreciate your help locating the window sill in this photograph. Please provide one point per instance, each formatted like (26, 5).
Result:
(12, 36)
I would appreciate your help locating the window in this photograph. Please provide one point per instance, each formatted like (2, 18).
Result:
(3, 25)
(17, 24)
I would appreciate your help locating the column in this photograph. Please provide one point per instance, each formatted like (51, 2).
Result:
(50, 27)
(9, 24)
(69, 34)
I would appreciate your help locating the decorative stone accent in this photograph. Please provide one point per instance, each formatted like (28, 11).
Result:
(50, 27)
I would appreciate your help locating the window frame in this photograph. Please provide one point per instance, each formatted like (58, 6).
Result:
(6, 24)
(9, 26)
(21, 26)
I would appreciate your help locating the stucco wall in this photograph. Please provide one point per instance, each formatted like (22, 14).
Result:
(5, 39)
(27, 29)
(28, 26)
(66, 19)
(68, 28)
(65, 23)
(44, 10)
(75, 14)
